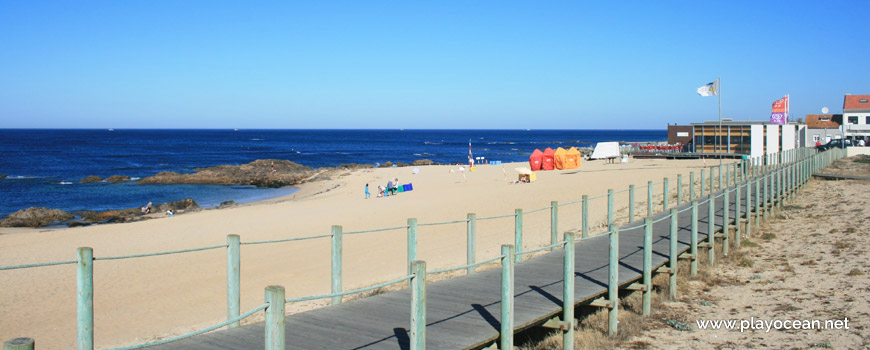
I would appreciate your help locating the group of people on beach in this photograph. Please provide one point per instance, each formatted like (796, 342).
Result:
(384, 191)
(147, 209)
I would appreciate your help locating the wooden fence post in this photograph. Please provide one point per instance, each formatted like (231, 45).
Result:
(647, 265)
(757, 201)
(506, 334)
(613, 282)
(275, 318)
(568, 292)
(85, 298)
(19, 344)
(692, 186)
(711, 229)
(693, 248)
(412, 244)
(471, 242)
(585, 223)
(418, 305)
(233, 279)
(518, 233)
(679, 189)
(703, 180)
(726, 214)
(674, 262)
(609, 207)
(649, 198)
(738, 221)
(630, 203)
(554, 223)
(337, 252)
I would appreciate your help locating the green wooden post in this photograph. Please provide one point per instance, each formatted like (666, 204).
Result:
(693, 247)
(703, 180)
(233, 279)
(609, 207)
(766, 198)
(275, 318)
(585, 223)
(757, 201)
(726, 218)
(337, 252)
(647, 265)
(673, 262)
(85, 298)
(471, 240)
(781, 190)
(554, 223)
(738, 231)
(613, 282)
(711, 229)
(518, 233)
(712, 184)
(568, 291)
(412, 243)
(719, 170)
(630, 203)
(418, 305)
(19, 344)
(679, 189)
(692, 186)
(727, 176)
(666, 193)
(506, 334)
(649, 198)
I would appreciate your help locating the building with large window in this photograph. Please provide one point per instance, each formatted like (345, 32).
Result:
(856, 117)
(752, 138)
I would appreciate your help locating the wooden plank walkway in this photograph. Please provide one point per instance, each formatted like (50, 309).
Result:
(463, 312)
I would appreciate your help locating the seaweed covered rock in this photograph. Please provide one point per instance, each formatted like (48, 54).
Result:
(35, 217)
(117, 178)
(92, 178)
(261, 173)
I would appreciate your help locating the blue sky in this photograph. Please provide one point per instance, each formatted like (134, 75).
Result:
(444, 64)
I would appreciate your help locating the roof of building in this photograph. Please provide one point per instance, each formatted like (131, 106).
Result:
(824, 121)
(736, 122)
(856, 103)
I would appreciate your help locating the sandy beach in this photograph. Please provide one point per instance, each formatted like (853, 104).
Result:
(143, 299)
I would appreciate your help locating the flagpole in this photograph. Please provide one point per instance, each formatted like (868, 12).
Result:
(719, 137)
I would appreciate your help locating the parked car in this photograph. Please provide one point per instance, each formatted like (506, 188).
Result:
(838, 143)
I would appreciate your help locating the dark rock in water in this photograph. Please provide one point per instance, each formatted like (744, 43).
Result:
(117, 178)
(35, 217)
(92, 178)
(261, 173)
(388, 164)
(423, 162)
(79, 223)
(3, 176)
(178, 206)
(227, 204)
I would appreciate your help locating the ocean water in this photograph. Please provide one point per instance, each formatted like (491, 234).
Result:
(43, 166)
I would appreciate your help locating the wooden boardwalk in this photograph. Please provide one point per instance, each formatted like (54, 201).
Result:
(463, 312)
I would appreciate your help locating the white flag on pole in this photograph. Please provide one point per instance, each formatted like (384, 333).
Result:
(711, 89)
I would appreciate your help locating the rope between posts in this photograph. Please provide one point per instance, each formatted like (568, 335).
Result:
(569, 203)
(496, 217)
(536, 210)
(119, 257)
(13, 267)
(560, 243)
(467, 265)
(598, 196)
(285, 240)
(662, 218)
(443, 223)
(375, 230)
(188, 335)
(323, 296)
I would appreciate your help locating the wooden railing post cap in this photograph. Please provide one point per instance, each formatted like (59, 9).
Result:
(273, 289)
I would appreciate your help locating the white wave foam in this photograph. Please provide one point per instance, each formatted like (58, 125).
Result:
(65, 183)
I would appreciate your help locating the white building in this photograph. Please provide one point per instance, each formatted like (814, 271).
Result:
(856, 117)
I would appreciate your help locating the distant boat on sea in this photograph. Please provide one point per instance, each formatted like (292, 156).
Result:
(111, 129)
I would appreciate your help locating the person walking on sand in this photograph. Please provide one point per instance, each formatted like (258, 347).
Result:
(389, 187)
(367, 192)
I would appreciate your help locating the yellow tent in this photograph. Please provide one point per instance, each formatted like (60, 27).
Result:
(572, 159)
(560, 158)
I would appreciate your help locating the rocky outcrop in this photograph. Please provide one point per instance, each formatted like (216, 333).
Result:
(134, 214)
(387, 164)
(3, 176)
(184, 205)
(260, 173)
(423, 162)
(117, 178)
(92, 178)
(227, 204)
(35, 217)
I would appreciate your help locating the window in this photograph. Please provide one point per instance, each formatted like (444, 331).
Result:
(867, 120)
(853, 119)
(824, 119)
(816, 138)
(863, 100)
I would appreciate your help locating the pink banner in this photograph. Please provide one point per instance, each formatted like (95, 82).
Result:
(779, 112)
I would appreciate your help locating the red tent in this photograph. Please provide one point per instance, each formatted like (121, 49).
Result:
(536, 159)
(547, 161)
